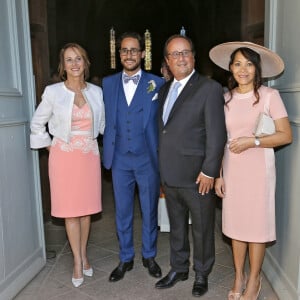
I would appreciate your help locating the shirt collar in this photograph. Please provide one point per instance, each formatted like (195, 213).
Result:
(184, 80)
(139, 72)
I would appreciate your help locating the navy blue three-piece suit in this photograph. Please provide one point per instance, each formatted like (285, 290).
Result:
(130, 145)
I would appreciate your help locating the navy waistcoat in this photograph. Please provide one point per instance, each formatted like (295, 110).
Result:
(130, 132)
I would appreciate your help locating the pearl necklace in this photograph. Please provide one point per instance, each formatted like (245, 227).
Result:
(75, 90)
(79, 100)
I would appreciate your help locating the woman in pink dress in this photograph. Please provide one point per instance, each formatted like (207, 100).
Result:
(247, 178)
(74, 111)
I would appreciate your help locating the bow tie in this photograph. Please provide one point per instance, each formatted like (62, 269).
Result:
(134, 78)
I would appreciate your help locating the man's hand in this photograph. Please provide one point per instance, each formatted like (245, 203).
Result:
(205, 183)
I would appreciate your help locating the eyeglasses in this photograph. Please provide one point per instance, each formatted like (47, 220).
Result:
(176, 54)
(132, 51)
(76, 60)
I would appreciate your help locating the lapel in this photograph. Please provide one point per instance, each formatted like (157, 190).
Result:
(116, 89)
(163, 93)
(141, 92)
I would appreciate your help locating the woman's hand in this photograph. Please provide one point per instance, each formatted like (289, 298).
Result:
(220, 187)
(241, 144)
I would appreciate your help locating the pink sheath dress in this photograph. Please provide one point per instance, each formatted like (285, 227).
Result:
(75, 170)
(249, 205)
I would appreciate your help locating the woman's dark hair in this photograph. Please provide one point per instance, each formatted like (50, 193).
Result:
(77, 48)
(133, 35)
(254, 57)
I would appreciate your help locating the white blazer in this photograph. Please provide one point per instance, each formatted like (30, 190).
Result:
(56, 110)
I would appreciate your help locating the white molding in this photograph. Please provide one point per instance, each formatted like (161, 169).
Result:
(20, 281)
(296, 123)
(270, 37)
(278, 279)
(28, 56)
(12, 46)
(295, 88)
(10, 92)
(12, 122)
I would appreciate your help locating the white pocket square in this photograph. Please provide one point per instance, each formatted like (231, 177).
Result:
(155, 97)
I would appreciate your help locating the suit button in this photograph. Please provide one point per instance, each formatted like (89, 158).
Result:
(164, 131)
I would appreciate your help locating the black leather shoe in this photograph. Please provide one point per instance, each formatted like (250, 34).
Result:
(170, 280)
(200, 286)
(153, 267)
(119, 272)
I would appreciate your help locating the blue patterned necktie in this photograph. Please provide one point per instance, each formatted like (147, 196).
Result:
(172, 99)
(134, 78)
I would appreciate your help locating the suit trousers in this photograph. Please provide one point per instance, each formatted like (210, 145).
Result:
(128, 171)
(180, 202)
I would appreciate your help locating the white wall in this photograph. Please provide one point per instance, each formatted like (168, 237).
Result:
(22, 246)
(282, 26)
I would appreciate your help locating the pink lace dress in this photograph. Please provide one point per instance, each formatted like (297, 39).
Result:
(75, 170)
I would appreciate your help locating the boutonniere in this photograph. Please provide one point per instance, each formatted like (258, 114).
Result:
(151, 87)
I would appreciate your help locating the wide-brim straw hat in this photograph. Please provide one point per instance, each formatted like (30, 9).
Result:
(271, 63)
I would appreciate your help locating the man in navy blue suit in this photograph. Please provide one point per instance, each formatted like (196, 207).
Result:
(130, 146)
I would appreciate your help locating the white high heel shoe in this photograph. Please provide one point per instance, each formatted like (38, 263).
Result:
(88, 272)
(77, 282)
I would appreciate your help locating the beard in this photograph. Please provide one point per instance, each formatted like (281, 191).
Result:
(134, 66)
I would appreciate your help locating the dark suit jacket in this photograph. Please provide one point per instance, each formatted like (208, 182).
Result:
(111, 88)
(194, 136)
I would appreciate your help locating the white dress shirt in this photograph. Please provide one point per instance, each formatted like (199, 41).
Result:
(183, 83)
(130, 87)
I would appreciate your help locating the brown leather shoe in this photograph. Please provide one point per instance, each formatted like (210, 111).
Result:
(119, 272)
(152, 266)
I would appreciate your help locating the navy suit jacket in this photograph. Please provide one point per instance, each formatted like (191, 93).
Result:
(194, 136)
(111, 90)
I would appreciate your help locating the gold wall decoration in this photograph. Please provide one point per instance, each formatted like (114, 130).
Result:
(148, 45)
(112, 43)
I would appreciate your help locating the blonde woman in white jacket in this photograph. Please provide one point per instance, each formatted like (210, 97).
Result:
(74, 112)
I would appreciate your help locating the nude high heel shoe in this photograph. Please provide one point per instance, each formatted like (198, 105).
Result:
(258, 291)
(237, 295)
(259, 288)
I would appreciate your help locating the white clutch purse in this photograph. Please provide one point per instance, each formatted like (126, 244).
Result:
(264, 125)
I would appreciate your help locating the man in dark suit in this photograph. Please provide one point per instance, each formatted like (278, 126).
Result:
(130, 145)
(192, 137)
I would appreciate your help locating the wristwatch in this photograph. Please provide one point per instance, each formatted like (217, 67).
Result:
(257, 142)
